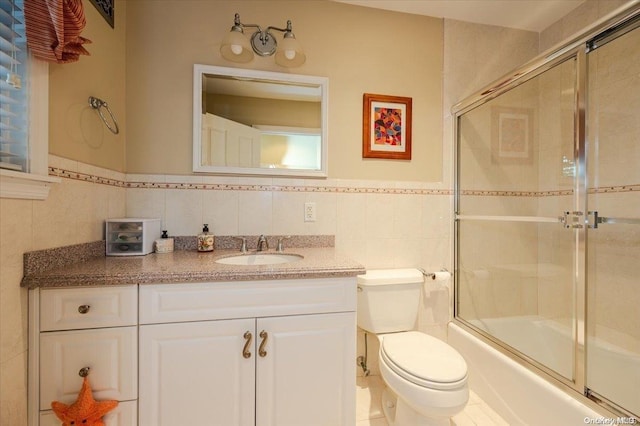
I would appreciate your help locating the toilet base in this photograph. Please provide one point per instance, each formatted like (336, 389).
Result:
(399, 413)
(389, 401)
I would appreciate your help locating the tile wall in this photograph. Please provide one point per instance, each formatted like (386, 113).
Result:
(73, 213)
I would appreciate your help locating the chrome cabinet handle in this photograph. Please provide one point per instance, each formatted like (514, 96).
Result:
(263, 336)
(84, 371)
(83, 309)
(245, 351)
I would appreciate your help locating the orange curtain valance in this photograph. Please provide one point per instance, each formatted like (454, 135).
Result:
(53, 29)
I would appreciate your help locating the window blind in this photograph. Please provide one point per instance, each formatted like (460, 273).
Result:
(14, 149)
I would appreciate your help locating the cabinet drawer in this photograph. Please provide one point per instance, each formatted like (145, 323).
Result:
(125, 414)
(165, 303)
(111, 355)
(77, 308)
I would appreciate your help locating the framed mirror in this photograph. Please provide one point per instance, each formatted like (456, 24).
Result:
(248, 122)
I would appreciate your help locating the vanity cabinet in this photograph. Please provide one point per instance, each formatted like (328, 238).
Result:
(84, 331)
(266, 353)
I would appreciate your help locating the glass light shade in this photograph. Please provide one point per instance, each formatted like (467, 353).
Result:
(289, 53)
(235, 47)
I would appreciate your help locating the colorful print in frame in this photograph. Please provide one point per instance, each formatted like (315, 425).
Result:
(386, 127)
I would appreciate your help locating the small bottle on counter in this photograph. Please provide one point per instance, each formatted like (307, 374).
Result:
(205, 240)
(164, 244)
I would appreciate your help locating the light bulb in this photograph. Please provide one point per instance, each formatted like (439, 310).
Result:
(289, 52)
(236, 49)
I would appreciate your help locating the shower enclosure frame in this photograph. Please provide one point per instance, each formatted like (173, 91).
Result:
(625, 19)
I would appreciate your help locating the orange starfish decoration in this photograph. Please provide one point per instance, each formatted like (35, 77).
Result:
(86, 411)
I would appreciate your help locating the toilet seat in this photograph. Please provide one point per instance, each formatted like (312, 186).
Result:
(424, 360)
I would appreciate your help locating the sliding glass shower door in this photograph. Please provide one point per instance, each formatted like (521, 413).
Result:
(516, 178)
(547, 230)
(613, 244)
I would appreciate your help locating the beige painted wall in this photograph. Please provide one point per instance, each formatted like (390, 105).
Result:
(75, 129)
(360, 50)
(267, 112)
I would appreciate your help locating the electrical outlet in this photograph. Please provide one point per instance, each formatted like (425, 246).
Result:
(309, 212)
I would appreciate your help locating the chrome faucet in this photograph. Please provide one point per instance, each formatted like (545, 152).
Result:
(262, 241)
(243, 247)
(280, 247)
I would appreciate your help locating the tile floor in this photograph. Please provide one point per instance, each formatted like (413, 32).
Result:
(369, 410)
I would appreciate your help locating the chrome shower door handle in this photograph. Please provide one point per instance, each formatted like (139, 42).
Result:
(264, 336)
(246, 353)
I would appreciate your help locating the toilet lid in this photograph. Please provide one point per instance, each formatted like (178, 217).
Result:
(424, 360)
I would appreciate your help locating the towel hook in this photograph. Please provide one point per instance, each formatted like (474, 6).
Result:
(97, 104)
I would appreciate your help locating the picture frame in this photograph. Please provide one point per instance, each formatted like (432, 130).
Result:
(106, 9)
(512, 135)
(386, 127)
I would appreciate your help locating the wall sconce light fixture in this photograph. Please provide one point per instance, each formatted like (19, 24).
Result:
(235, 46)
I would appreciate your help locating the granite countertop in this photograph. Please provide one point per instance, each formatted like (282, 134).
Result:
(189, 266)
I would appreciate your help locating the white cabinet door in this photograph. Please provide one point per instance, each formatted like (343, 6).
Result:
(195, 374)
(307, 375)
(110, 353)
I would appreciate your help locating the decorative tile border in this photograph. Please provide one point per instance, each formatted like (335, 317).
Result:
(85, 177)
(59, 172)
(286, 188)
(517, 193)
(67, 174)
(608, 189)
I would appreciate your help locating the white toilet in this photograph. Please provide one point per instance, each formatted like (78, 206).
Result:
(428, 378)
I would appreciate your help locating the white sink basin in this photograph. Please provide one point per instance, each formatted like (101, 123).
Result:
(259, 259)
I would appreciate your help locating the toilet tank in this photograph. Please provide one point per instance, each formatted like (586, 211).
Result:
(388, 299)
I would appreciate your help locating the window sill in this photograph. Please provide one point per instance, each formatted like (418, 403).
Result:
(26, 186)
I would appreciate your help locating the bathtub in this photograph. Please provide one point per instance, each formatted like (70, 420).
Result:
(615, 373)
(519, 395)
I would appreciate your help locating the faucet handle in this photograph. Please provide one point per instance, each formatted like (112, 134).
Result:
(280, 247)
(243, 248)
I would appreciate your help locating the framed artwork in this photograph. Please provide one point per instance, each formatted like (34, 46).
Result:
(512, 135)
(105, 7)
(386, 127)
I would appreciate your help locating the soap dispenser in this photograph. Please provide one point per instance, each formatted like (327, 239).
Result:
(164, 244)
(205, 240)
